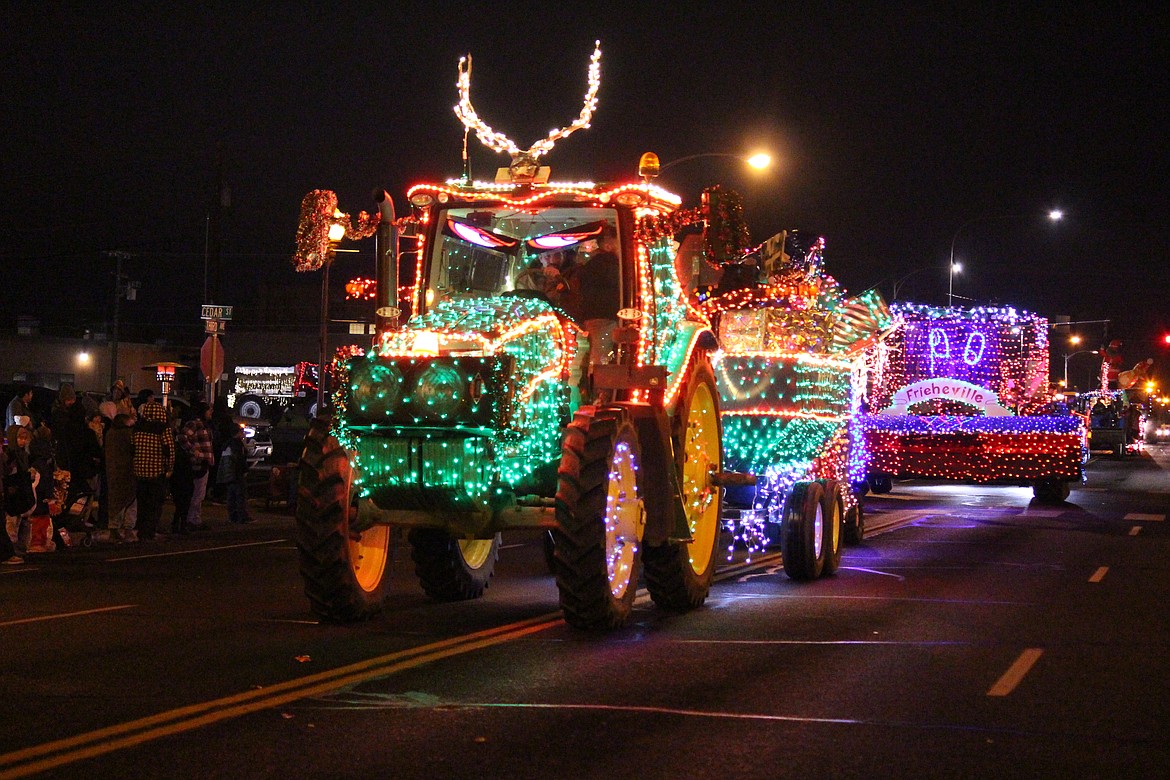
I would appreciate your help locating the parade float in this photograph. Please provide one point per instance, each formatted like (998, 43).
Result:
(794, 361)
(485, 405)
(1116, 410)
(963, 394)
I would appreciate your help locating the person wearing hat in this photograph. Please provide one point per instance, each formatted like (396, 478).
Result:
(121, 398)
(154, 461)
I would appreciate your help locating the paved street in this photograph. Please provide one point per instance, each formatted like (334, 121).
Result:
(972, 634)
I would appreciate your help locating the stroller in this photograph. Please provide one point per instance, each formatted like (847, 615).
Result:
(74, 510)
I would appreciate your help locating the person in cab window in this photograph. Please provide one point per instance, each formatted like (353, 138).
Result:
(599, 282)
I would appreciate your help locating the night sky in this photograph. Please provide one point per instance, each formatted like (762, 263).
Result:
(892, 130)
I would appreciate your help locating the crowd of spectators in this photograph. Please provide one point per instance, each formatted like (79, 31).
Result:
(104, 468)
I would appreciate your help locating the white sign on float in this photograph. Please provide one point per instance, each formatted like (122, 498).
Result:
(947, 390)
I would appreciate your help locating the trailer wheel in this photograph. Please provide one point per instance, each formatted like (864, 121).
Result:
(678, 575)
(345, 571)
(802, 535)
(832, 510)
(451, 569)
(880, 483)
(600, 519)
(250, 406)
(854, 522)
(1050, 490)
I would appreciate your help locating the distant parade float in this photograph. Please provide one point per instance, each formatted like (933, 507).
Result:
(962, 394)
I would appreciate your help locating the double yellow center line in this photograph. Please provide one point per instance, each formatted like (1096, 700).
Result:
(40, 758)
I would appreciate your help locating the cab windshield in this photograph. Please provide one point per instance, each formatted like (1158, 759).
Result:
(484, 251)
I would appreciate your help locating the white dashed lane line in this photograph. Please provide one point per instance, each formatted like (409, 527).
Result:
(1099, 574)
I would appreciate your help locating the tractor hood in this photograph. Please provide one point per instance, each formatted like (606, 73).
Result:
(482, 326)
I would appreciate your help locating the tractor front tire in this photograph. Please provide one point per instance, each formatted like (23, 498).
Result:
(600, 519)
(345, 571)
(451, 569)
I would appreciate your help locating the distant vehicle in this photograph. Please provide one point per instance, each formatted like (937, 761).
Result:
(257, 438)
(1115, 422)
(271, 391)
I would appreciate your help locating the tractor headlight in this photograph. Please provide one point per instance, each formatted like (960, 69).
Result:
(440, 394)
(375, 390)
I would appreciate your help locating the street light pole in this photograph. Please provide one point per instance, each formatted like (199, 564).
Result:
(898, 282)
(1055, 215)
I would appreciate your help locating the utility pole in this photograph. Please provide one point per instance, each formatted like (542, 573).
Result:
(119, 293)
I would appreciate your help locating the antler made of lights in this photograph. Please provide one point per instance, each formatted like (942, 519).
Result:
(498, 142)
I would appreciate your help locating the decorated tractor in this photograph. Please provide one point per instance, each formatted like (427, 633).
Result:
(963, 395)
(794, 357)
(541, 368)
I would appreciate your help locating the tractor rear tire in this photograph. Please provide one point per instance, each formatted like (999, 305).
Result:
(600, 519)
(802, 536)
(451, 569)
(678, 574)
(832, 510)
(345, 571)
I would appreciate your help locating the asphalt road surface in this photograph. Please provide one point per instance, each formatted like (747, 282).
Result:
(972, 634)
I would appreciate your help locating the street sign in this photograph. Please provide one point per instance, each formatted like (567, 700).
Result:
(214, 326)
(213, 312)
(211, 358)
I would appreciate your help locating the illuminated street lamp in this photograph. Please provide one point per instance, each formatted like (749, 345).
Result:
(1055, 215)
(956, 268)
(759, 161)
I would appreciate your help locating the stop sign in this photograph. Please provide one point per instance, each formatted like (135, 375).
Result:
(211, 358)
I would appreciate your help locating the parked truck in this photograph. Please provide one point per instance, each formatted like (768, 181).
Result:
(485, 405)
(271, 391)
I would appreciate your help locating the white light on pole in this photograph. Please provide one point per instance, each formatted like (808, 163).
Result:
(1054, 215)
(759, 161)
(956, 268)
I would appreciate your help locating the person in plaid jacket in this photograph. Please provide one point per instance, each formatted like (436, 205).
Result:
(154, 460)
(197, 432)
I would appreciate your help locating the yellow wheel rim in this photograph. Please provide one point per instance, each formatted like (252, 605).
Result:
(369, 552)
(624, 520)
(834, 521)
(475, 552)
(700, 459)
